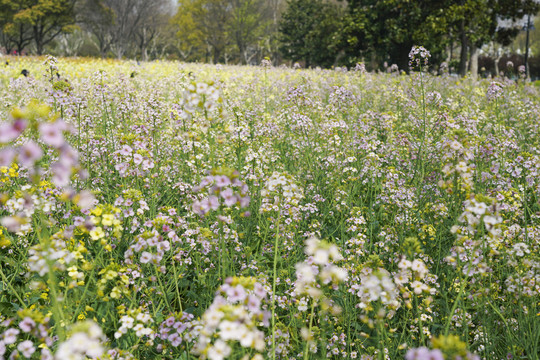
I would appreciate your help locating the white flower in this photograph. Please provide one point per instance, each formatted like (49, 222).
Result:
(321, 256)
(219, 351)
(26, 348)
(230, 330)
(10, 336)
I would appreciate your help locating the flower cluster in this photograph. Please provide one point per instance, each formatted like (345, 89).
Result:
(86, 341)
(179, 330)
(281, 192)
(202, 97)
(52, 256)
(139, 322)
(225, 190)
(25, 336)
(444, 348)
(418, 56)
(234, 316)
(318, 269)
(494, 91)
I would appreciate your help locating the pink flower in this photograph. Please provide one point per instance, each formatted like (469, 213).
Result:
(29, 153)
(27, 324)
(26, 348)
(61, 174)
(228, 195)
(137, 159)
(213, 202)
(146, 257)
(126, 150)
(222, 181)
(9, 132)
(6, 156)
(51, 134)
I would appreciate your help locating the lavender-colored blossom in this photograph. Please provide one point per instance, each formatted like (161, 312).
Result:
(27, 324)
(6, 156)
(30, 153)
(51, 133)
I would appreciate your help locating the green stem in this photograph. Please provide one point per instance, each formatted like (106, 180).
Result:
(5, 280)
(447, 327)
(306, 347)
(176, 284)
(276, 246)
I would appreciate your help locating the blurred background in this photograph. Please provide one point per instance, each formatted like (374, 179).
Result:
(479, 37)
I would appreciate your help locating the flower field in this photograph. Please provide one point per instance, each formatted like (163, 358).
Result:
(181, 211)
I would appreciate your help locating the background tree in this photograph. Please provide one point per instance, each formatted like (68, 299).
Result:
(123, 25)
(308, 32)
(223, 30)
(477, 22)
(98, 19)
(154, 20)
(38, 20)
(248, 21)
(190, 37)
(386, 30)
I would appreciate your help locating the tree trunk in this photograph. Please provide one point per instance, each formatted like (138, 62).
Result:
(474, 62)
(464, 47)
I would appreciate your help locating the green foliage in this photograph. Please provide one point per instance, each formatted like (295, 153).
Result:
(39, 20)
(308, 31)
(216, 30)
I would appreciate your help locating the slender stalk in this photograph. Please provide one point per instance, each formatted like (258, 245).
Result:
(306, 347)
(276, 246)
(5, 280)
(176, 284)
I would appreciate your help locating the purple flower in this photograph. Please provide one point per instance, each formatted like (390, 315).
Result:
(61, 174)
(137, 159)
(175, 339)
(126, 150)
(213, 202)
(9, 132)
(423, 353)
(169, 321)
(222, 181)
(229, 197)
(6, 156)
(29, 153)
(147, 164)
(146, 257)
(10, 336)
(51, 134)
(27, 324)
(26, 348)
(244, 201)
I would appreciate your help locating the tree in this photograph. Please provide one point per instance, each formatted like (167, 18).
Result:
(386, 30)
(308, 32)
(477, 22)
(43, 20)
(222, 30)
(154, 20)
(119, 25)
(15, 34)
(98, 19)
(249, 19)
(190, 37)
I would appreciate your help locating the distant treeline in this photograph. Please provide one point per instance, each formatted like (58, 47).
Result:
(325, 33)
